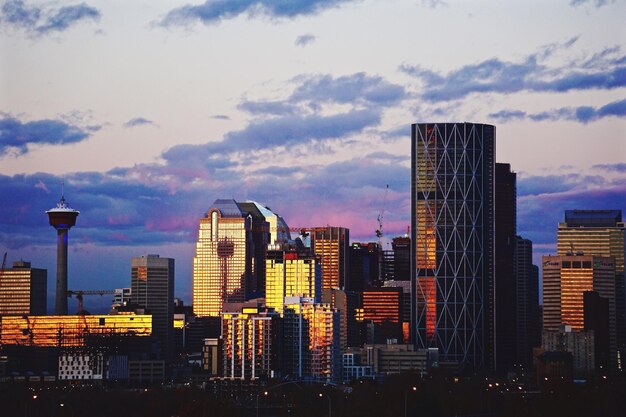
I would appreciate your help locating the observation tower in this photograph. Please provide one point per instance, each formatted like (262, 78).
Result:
(62, 218)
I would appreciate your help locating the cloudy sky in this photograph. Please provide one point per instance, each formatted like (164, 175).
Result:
(150, 110)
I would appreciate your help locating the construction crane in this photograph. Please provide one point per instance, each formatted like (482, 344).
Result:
(80, 293)
(4, 263)
(379, 235)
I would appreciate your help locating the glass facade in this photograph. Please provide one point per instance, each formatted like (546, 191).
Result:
(219, 267)
(452, 240)
(23, 290)
(290, 274)
(70, 331)
(331, 244)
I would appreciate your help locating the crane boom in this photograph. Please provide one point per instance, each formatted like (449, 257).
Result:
(80, 293)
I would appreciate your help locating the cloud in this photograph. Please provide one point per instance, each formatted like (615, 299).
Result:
(304, 40)
(267, 107)
(138, 121)
(214, 11)
(607, 71)
(16, 136)
(355, 88)
(582, 114)
(40, 21)
(619, 167)
(433, 4)
(597, 3)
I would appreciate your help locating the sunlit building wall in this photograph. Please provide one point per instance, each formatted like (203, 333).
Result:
(599, 232)
(248, 339)
(565, 279)
(23, 290)
(311, 339)
(219, 266)
(68, 331)
(331, 245)
(290, 274)
(452, 240)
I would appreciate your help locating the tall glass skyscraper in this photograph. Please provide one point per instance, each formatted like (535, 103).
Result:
(452, 242)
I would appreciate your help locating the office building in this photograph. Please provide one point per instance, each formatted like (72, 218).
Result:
(401, 246)
(599, 232)
(62, 218)
(121, 297)
(70, 331)
(229, 266)
(505, 280)
(596, 317)
(311, 340)
(152, 287)
(528, 324)
(346, 303)
(383, 308)
(363, 264)
(452, 238)
(249, 343)
(579, 343)
(290, 273)
(330, 245)
(565, 279)
(23, 290)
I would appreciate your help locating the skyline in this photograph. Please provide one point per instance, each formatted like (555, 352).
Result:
(305, 108)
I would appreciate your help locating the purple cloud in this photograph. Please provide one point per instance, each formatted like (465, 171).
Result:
(16, 136)
(606, 71)
(582, 114)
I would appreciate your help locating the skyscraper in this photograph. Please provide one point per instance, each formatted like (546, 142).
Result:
(152, 287)
(505, 279)
(565, 279)
(229, 266)
(291, 273)
(452, 242)
(23, 290)
(599, 232)
(528, 325)
(331, 245)
(62, 218)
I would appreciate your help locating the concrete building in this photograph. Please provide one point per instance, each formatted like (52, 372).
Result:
(152, 287)
(528, 324)
(23, 290)
(579, 343)
(77, 365)
(249, 338)
(452, 227)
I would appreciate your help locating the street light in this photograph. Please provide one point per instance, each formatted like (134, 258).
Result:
(413, 389)
(257, 402)
(330, 410)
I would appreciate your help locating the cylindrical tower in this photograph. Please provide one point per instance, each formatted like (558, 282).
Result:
(62, 218)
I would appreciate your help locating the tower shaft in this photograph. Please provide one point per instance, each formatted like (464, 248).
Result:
(60, 306)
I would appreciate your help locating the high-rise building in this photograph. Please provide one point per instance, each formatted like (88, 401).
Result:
(401, 246)
(565, 279)
(290, 273)
(452, 241)
(363, 263)
(346, 304)
(528, 324)
(23, 290)
(249, 343)
(330, 245)
(599, 232)
(229, 266)
(311, 340)
(383, 307)
(152, 287)
(505, 280)
(62, 218)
